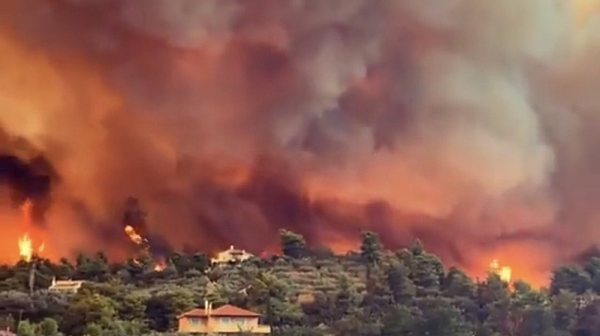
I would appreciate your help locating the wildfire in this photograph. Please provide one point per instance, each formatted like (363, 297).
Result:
(25, 248)
(143, 242)
(160, 266)
(133, 235)
(504, 272)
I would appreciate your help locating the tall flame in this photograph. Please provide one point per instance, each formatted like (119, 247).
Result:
(504, 272)
(25, 248)
(133, 235)
(25, 243)
(139, 240)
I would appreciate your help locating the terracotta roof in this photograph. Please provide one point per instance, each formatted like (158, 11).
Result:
(226, 310)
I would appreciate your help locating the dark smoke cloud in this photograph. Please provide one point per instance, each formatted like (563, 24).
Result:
(26, 180)
(28, 175)
(459, 122)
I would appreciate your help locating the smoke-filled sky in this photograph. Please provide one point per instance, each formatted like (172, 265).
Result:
(472, 125)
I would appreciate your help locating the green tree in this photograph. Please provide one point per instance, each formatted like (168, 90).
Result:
(530, 311)
(164, 306)
(293, 245)
(200, 262)
(592, 267)
(132, 306)
(93, 329)
(48, 327)
(537, 320)
(417, 248)
(87, 309)
(401, 320)
(492, 290)
(344, 299)
(371, 249)
(427, 273)
(25, 328)
(271, 295)
(439, 317)
(125, 328)
(402, 288)
(457, 283)
(371, 252)
(64, 269)
(573, 278)
(564, 305)
(92, 268)
(588, 322)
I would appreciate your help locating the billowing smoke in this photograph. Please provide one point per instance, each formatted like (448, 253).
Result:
(470, 124)
(28, 181)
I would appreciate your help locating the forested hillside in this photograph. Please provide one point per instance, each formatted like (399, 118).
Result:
(303, 292)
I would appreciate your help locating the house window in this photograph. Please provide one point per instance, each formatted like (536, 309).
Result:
(195, 321)
(225, 320)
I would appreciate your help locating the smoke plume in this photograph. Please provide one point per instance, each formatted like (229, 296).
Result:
(470, 124)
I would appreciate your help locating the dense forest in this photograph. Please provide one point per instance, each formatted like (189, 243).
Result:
(300, 293)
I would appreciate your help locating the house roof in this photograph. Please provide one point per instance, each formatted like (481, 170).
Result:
(7, 333)
(226, 311)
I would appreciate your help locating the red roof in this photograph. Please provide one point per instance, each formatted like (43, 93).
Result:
(226, 311)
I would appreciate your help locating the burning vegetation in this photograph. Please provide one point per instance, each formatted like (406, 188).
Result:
(234, 120)
(504, 272)
(26, 245)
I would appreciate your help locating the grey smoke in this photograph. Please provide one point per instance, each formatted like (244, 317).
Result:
(477, 118)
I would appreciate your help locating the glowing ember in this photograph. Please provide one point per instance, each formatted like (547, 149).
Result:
(160, 266)
(504, 272)
(25, 248)
(133, 235)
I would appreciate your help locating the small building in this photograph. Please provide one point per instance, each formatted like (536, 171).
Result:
(305, 298)
(227, 319)
(69, 286)
(7, 333)
(231, 255)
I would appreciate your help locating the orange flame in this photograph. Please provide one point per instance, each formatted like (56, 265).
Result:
(504, 272)
(133, 235)
(25, 243)
(25, 248)
(160, 266)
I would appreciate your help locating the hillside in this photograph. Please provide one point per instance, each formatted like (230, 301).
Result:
(304, 292)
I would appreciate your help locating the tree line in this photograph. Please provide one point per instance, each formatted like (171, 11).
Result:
(303, 292)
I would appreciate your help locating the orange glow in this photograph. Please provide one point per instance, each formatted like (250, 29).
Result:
(133, 235)
(25, 248)
(504, 272)
(160, 266)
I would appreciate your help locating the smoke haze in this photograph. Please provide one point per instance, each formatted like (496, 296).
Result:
(470, 124)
